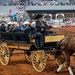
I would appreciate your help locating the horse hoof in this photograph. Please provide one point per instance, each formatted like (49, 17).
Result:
(57, 72)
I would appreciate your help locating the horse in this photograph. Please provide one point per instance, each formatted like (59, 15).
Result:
(65, 48)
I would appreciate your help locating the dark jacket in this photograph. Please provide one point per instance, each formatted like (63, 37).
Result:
(15, 30)
(2, 28)
(16, 37)
(39, 26)
(27, 31)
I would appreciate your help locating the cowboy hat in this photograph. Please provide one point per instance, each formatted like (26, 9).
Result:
(10, 22)
(38, 16)
(26, 22)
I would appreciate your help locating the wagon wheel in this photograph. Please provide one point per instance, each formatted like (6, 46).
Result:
(4, 54)
(39, 60)
(62, 58)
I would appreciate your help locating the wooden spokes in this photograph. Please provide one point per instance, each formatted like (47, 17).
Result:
(4, 54)
(39, 60)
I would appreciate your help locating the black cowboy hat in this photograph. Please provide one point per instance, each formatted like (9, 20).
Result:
(38, 16)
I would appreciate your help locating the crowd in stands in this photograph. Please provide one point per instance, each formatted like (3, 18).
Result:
(12, 3)
(50, 3)
(40, 3)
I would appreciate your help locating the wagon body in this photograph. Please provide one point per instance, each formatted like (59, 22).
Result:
(34, 54)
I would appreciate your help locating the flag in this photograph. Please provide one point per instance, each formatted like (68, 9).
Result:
(68, 23)
(50, 23)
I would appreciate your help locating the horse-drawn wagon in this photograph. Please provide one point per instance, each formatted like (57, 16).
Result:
(36, 54)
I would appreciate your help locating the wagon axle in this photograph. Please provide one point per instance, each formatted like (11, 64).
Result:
(39, 61)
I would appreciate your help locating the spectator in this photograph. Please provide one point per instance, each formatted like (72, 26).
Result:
(4, 4)
(15, 30)
(3, 28)
(10, 12)
(15, 27)
(21, 26)
(10, 27)
(15, 17)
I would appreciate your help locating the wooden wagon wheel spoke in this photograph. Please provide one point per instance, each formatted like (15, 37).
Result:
(39, 60)
(43, 61)
(36, 56)
(0, 52)
(4, 54)
(4, 59)
(37, 66)
(3, 48)
(42, 66)
(41, 57)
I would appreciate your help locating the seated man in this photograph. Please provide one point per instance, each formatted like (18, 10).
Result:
(14, 30)
(9, 30)
(29, 30)
(3, 28)
(21, 26)
(40, 28)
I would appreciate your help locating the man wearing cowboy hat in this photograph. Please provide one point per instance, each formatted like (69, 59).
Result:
(40, 25)
(40, 28)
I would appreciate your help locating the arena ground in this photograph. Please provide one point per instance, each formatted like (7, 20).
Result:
(19, 66)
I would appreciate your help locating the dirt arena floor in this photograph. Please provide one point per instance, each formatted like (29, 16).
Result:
(19, 66)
